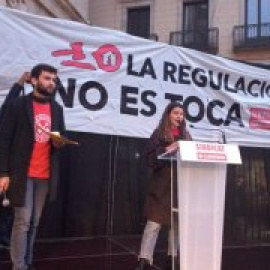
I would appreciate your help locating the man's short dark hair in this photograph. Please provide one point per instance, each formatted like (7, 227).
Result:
(37, 70)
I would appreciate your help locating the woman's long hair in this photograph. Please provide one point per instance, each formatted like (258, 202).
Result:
(164, 128)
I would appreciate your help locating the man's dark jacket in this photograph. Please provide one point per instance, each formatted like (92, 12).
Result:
(16, 145)
(14, 92)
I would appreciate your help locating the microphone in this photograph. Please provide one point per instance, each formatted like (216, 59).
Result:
(224, 141)
(6, 201)
(178, 122)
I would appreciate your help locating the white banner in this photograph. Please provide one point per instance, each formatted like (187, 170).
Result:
(114, 83)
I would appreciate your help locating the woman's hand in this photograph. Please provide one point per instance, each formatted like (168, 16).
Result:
(172, 147)
(4, 183)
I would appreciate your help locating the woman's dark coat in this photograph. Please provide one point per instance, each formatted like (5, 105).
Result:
(158, 202)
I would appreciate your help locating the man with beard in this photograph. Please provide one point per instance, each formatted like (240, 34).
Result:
(29, 162)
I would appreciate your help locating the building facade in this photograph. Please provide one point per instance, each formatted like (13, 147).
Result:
(77, 10)
(234, 29)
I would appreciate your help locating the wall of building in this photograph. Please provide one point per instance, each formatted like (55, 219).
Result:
(225, 15)
(112, 14)
(166, 17)
(77, 10)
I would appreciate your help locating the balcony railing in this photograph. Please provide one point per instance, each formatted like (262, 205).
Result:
(252, 36)
(205, 40)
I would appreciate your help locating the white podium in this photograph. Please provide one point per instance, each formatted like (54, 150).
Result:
(201, 173)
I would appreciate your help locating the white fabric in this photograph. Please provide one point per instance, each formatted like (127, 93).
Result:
(149, 240)
(135, 78)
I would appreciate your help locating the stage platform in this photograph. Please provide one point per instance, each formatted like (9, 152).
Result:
(120, 253)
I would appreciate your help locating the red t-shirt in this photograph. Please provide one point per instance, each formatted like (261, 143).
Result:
(175, 132)
(40, 160)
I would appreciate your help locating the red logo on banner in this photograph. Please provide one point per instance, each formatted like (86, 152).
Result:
(211, 152)
(259, 118)
(107, 57)
(212, 156)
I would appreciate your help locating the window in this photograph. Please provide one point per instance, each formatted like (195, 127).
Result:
(258, 18)
(258, 11)
(196, 15)
(138, 21)
(195, 24)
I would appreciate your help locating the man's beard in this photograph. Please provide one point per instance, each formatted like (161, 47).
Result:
(42, 91)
